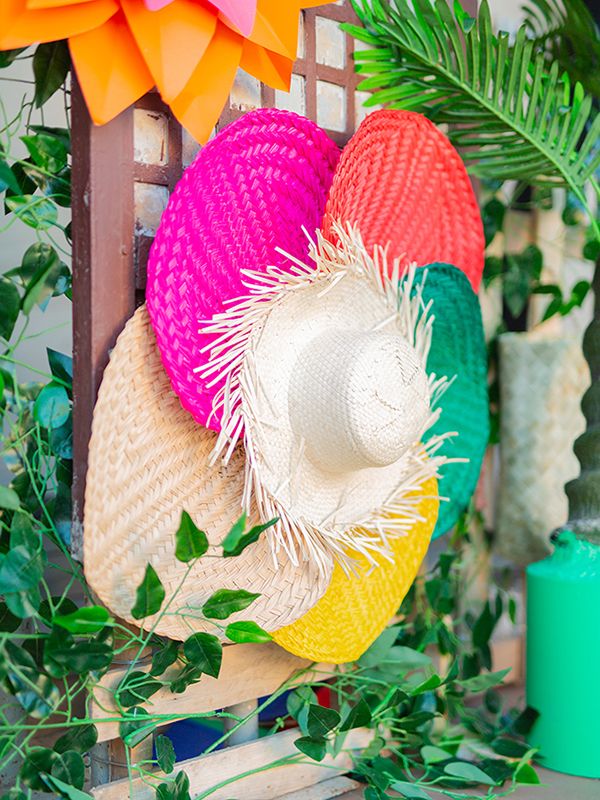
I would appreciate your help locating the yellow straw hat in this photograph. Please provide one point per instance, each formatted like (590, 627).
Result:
(356, 607)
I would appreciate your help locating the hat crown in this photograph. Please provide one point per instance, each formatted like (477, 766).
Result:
(358, 399)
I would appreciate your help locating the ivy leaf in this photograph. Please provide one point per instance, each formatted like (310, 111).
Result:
(69, 767)
(165, 754)
(7, 176)
(37, 762)
(480, 683)
(8, 621)
(61, 443)
(37, 212)
(468, 772)
(179, 789)
(321, 720)
(21, 569)
(9, 499)
(188, 675)
(136, 727)
(52, 406)
(46, 151)
(190, 541)
(359, 715)
(136, 687)
(163, 658)
(225, 602)
(237, 541)
(61, 365)
(65, 789)
(313, 748)
(89, 619)
(51, 64)
(526, 774)
(10, 305)
(249, 631)
(79, 737)
(149, 595)
(410, 791)
(204, 652)
(433, 755)
(8, 56)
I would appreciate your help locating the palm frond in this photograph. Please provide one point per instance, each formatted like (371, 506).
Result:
(567, 32)
(512, 116)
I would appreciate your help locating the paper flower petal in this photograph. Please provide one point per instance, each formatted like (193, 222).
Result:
(276, 26)
(156, 5)
(20, 27)
(267, 66)
(171, 40)
(36, 4)
(110, 68)
(199, 105)
(240, 12)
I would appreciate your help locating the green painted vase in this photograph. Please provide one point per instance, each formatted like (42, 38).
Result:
(563, 656)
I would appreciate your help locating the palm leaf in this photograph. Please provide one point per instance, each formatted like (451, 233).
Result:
(568, 33)
(512, 116)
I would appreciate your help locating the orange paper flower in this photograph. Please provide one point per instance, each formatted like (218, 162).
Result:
(189, 49)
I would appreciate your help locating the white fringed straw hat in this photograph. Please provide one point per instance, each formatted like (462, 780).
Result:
(325, 375)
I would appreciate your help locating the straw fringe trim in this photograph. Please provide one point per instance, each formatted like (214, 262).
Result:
(230, 358)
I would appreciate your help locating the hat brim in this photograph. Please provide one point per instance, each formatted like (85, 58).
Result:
(457, 352)
(148, 461)
(356, 608)
(250, 190)
(399, 180)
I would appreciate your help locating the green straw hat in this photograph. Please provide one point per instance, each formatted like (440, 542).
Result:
(457, 351)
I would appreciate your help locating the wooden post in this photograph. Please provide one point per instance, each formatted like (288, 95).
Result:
(103, 276)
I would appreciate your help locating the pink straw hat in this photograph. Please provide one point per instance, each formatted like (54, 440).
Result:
(250, 190)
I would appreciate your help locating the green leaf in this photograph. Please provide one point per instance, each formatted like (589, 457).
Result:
(37, 762)
(204, 652)
(61, 365)
(246, 632)
(51, 64)
(9, 499)
(7, 176)
(179, 789)
(165, 754)
(186, 677)
(8, 56)
(63, 655)
(52, 406)
(61, 443)
(69, 767)
(237, 541)
(136, 687)
(46, 151)
(164, 657)
(149, 595)
(65, 789)
(21, 569)
(480, 683)
(468, 772)
(89, 619)
(433, 755)
(137, 726)
(79, 737)
(190, 541)
(410, 791)
(225, 602)
(8, 621)
(37, 212)
(313, 748)
(35, 692)
(526, 774)
(359, 715)
(321, 720)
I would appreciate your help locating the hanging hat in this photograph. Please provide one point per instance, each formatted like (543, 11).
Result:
(148, 462)
(315, 357)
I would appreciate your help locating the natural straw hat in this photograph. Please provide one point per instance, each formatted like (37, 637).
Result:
(149, 461)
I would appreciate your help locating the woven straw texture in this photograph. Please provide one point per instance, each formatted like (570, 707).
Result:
(541, 385)
(400, 181)
(149, 461)
(356, 608)
(250, 190)
(458, 352)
